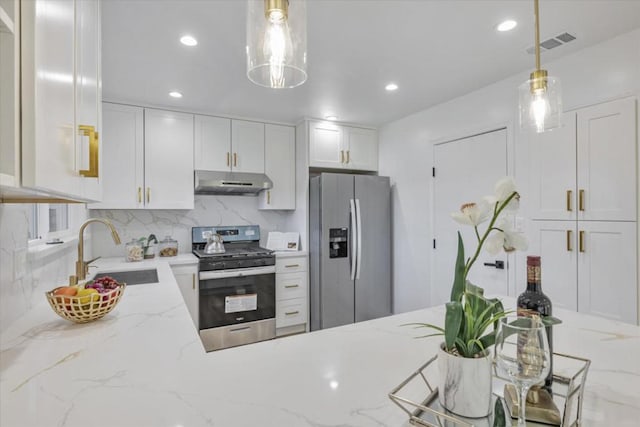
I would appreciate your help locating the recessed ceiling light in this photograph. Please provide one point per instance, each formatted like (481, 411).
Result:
(188, 41)
(507, 25)
(332, 118)
(175, 94)
(391, 87)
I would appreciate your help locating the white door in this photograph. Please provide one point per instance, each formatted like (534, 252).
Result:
(122, 169)
(326, 145)
(212, 150)
(465, 171)
(280, 167)
(556, 244)
(168, 160)
(607, 161)
(247, 143)
(362, 149)
(88, 96)
(607, 275)
(552, 179)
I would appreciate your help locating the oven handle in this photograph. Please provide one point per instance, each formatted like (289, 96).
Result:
(239, 272)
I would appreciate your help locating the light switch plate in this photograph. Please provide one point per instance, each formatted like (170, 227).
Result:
(19, 263)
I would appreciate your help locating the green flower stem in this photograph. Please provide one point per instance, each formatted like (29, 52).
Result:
(496, 213)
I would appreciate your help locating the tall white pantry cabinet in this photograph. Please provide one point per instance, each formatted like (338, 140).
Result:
(583, 186)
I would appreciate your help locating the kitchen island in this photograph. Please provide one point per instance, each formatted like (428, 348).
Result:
(144, 365)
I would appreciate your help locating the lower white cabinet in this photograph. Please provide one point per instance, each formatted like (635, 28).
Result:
(186, 276)
(292, 290)
(589, 266)
(280, 167)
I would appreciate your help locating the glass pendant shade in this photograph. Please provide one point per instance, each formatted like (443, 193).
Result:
(540, 100)
(277, 42)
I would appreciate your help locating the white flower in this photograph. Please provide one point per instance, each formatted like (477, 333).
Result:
(505, 238)
(472, 213)
(505, 187)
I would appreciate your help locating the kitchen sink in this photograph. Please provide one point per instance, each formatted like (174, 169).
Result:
(132, 277)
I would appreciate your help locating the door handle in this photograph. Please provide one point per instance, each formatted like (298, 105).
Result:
(291, 313)
(581, 240)
(581, 200)
(268, 197)
(354, 244)
(341, 156)
(348, 156)
(235, 159)
(359, 232)
(193, 281)
(569, 193)
(148, 194)
(139, 194)
(228, 159)
(291, 286)
(498, 264)
(90, 131)
(292, 265)
(569, 248)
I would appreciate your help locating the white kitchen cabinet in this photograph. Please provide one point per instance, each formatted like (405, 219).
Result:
(122, 157)
(607, 276)
(168, 160)
(186, 276)
(212, 146)
(148, 159)
(585, 169)
(60, 51)
(292, 293)
(10, 93)
(280, 167)
(228, 145)
(607, 161)
(589, 266)
(336, 146)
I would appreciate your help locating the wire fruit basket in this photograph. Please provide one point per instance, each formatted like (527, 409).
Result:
(84, 309)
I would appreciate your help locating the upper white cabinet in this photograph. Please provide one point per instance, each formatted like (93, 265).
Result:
(60, 50)
(229, 145)
(9, 93)
(168, 159)
(585, 170)
(148, 161)
(336, 146)
(279, 166)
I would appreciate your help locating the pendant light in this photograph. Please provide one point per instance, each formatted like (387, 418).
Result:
(277, 42)
(540, 96)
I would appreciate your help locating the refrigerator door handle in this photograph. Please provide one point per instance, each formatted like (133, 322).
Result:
(359, 246)
(354, 227)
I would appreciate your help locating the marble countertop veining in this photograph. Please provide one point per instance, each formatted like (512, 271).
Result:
(143, 365)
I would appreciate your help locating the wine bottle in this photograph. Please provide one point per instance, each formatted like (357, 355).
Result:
(534, 301)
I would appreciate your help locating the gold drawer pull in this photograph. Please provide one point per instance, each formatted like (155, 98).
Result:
(235, 159)
(148, 194)
(228, 159)
(292, 266)
(291, 313)
(581, 240)
(139, 194)
(90, 131)
(569, 248)
(268, 197)
(569, 193)
(348, 156)
(193, 281)
(581, 200)
(291, 286)
(341, 156)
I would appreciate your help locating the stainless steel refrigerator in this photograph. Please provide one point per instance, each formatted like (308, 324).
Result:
(350, 249)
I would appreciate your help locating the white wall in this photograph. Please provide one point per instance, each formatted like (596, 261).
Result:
(599, 73)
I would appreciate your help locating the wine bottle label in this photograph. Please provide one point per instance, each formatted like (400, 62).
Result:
(533, 274)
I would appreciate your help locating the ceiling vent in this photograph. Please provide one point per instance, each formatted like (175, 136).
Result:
(553, 42)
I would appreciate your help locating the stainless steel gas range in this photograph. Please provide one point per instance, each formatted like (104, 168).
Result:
(237, 289)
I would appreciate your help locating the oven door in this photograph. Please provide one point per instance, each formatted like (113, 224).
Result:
(229, 297)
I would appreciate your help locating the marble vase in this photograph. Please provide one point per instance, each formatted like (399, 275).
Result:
(464, 387)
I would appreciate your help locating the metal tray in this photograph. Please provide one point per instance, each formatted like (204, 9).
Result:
(419, 399)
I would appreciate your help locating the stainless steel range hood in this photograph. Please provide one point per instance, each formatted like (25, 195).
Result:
(227, 183)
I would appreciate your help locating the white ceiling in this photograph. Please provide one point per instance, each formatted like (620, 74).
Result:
(434, 50)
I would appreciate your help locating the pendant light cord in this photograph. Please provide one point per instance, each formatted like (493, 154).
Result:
(535, 6)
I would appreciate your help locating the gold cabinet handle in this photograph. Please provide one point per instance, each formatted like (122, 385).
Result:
(268, 197)
(581, 200)
(228, 159)
(569, 193)
(148, 194)
(291, 286)
(193, 281)
(341, 156)
(581, 240)
(292, 265)
(569, 248)
(139, 194)
(90, 131)
(235, 159)
(291, 313)
(348, 156)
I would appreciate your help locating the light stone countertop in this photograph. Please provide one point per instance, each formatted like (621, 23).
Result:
(143, 365)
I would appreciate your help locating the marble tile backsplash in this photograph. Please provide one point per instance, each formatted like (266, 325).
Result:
(22, 286)
(209, 210)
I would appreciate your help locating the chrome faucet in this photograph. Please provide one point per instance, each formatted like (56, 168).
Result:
(82, 266)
